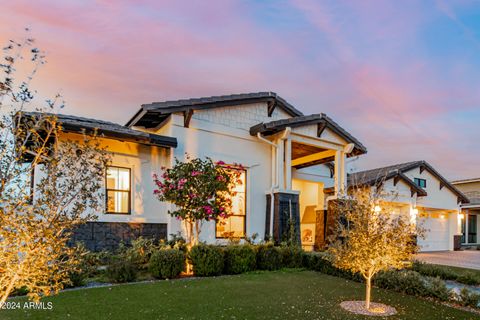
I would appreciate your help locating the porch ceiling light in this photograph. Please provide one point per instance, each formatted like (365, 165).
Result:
(377, 209)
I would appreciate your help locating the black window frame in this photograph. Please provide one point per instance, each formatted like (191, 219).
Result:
(238, 215)
(418, 182)
(117, 190)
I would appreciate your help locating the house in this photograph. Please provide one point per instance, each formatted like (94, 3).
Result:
(470, 211)
(289, 160)
(419, 191)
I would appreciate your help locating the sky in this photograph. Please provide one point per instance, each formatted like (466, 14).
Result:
(401, 76)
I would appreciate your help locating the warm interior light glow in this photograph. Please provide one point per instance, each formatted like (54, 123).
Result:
(442, 216)
(377, 209)
(462, 216)
(414, 211)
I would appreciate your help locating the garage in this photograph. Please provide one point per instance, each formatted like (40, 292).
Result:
(436, 227)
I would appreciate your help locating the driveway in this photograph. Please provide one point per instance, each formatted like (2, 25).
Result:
(464, 259)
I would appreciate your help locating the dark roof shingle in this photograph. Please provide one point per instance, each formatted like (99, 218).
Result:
(110, 130)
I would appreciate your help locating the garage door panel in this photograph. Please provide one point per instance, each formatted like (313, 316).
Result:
(436, 235)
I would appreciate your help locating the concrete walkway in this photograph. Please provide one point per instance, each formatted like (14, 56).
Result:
(464, 259)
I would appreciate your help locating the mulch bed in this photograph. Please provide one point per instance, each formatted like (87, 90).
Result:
(376, 309)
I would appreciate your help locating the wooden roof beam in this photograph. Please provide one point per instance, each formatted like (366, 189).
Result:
(313, 157)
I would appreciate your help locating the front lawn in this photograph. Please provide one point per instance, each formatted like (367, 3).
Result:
(286, 294)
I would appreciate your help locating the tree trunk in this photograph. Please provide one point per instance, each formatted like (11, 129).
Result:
(8, 290)
(197, 231)
(368, 291)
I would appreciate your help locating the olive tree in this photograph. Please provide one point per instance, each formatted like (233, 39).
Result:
(38, 216)
(370, 235)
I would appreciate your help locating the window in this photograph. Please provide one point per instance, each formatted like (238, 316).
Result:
(118, 190)
(422, 183)
(234, 226)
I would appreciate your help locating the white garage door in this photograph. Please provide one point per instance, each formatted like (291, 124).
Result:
(436, 235)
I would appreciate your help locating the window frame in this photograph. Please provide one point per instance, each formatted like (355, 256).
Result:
(238, 215)
(117, 190)
(418, 182)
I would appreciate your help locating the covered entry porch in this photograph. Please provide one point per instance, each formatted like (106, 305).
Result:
(299, 146)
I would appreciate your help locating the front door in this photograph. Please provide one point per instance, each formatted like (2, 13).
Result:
(472, 228)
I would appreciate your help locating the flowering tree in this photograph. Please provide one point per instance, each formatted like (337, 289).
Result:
(200, 189)
(38, 216)
(371, 236)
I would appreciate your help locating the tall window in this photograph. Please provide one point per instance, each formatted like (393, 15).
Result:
(234, 226)
(422, 183)
(118, 190)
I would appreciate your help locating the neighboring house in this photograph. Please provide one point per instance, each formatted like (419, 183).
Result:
(424, 195)
(470, 211)
(289, 160)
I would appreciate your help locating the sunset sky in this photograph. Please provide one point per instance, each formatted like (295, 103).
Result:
(402, 76)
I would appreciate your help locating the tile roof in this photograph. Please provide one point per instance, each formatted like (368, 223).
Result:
(151, 114)
(110, 130)
(374, 176)
(278, 125)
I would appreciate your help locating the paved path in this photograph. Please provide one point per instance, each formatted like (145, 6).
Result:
(464, 259)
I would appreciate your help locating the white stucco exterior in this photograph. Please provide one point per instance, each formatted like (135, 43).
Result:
(438, 213)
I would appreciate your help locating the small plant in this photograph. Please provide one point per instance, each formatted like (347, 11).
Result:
(140, 251)
(176, 241)
(468, 298)
(207, 260)
(166, 263)
(239, 259)
(121, 271)
(269, 257)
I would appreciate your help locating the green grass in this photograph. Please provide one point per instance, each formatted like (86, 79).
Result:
(287, 294)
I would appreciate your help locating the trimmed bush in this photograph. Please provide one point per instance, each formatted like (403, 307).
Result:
(207, 260)
(404, 281)
(269, 257)
(121, 271)
(318, 261)
(292, 256)
(445, 273)
(239, 259)
(437, 288)
(167, 263)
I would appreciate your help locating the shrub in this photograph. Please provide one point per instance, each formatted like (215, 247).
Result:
(139, 252)
(318, 261)
(445, 273)
(404, 281)
(292, 256)
(468, 298)
(437, 288)
(239, 259)
(207, 260)
(468, 279)
(269, 257)
(121, 271)
(166, 263)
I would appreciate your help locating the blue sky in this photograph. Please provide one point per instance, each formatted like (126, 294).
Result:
(402, 76)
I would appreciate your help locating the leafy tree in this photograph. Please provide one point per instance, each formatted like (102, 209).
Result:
(371, 236)
(36, 220)
(200, 189)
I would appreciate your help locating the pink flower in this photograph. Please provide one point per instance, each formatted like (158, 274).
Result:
(156, 191)
(220, 163)
(208, 210)
(196, 173)
(221, 178)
